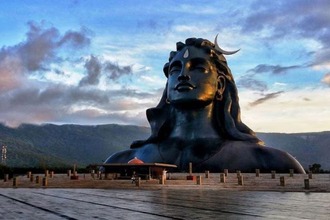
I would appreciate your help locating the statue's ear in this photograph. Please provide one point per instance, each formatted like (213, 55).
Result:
(221, 84)
(165, 69)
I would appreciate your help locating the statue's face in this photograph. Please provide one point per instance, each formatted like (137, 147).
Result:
(192, 78)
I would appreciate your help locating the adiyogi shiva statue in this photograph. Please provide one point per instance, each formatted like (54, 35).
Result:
(198, 119)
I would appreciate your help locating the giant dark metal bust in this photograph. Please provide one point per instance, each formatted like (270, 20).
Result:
(198, 119)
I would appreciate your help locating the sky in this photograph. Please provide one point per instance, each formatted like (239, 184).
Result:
(101, 61)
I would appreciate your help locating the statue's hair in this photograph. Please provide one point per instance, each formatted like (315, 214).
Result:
(226, 117)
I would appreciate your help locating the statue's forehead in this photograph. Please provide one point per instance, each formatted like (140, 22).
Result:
(190, 52)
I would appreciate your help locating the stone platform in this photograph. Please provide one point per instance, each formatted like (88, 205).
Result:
(259, 198)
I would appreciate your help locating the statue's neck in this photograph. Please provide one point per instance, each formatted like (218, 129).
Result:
(193, 124)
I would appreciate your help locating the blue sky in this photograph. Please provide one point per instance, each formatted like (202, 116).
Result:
(101, 61)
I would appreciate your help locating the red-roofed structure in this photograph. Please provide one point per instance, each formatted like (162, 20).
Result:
(135, 160)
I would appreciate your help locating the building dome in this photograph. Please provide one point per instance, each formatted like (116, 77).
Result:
(135, 160)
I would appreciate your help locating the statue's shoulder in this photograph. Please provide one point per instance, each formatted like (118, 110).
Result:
(248, 156)
(280, 160)
(239, 147)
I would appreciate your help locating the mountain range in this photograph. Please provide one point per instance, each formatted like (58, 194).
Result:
(64, 145)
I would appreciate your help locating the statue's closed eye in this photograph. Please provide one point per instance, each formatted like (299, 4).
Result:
(199, 67)
(175, 67)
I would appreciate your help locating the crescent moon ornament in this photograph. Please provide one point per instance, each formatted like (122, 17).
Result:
(221, 50)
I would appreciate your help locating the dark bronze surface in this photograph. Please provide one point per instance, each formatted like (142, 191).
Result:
(198, 119)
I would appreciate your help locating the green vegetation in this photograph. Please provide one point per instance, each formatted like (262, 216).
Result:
(315, 168)
(4, 170)
(61, 146)
(14, 171)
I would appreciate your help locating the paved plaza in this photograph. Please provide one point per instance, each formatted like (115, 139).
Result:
(259, 198)
(161, 204)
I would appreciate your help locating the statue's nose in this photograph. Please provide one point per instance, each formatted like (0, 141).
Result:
(183, 76)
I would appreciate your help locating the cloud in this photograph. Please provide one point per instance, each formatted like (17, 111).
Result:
(309, 19)
(95, 68)
(92, 117)
(302, 110)
(42, 44)
(148, 24)
(36, 53)
(265, 98)
(274, 69)
(296, 19)
(28, 94)
(75, 39)
(321, 59)
(159, 27)
(57, 102)
(58, 71)
(248, 82)
(115, 71)
(191, 9)
(53, 95)
(11, 71)
(326, 79)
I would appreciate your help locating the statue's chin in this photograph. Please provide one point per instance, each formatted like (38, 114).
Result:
(190, 103)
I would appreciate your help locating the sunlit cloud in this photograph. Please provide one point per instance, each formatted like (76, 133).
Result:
(326, 79)
(293, 111)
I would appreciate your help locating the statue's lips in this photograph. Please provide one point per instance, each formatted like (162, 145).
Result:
(182, 87)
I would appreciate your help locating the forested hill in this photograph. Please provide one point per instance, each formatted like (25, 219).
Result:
(307, 148)
(58, 145)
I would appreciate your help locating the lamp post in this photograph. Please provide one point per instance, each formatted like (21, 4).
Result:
(4, 154)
